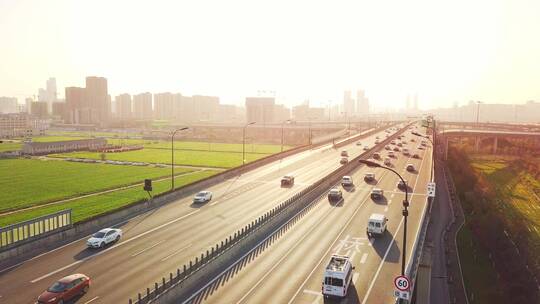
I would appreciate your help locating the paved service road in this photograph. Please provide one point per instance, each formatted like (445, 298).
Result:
(163, 240)
(290, 270)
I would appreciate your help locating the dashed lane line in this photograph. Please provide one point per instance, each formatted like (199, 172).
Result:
(147, 248)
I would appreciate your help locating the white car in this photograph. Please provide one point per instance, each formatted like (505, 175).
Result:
(104, 237)
(347, 181)
(202, 197)
(366, 148)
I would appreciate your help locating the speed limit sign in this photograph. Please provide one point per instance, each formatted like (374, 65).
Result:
(402, 283)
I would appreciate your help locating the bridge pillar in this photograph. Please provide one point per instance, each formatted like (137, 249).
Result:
(477, 144)
(495, 142)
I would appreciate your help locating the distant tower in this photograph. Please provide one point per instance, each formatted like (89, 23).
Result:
(348, 103)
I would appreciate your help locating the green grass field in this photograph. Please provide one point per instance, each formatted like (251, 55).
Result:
(10, 146)
(89, 207)
(477, 270)
(181, 157)
(28, 182)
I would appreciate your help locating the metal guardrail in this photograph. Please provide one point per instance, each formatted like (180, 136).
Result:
(295, 203)
(17, 234)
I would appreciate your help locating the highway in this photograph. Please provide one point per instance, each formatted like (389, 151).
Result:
(160, 241)
(290, 270)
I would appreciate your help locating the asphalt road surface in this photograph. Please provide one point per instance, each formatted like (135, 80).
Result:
(163, 240)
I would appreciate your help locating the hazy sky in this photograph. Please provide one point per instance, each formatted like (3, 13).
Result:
(445, 51)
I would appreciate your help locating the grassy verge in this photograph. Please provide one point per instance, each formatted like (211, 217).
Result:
(89, 207)
(477, 270)
(181, 157)
(30, 182)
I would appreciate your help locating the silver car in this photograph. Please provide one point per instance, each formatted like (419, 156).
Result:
(202, 197)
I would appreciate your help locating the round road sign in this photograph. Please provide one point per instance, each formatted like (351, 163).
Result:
(402, 283)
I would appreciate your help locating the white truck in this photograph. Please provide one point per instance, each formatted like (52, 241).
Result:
(337, 276)
(376, 225)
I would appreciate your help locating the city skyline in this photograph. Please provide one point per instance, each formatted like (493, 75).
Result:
(451, 53)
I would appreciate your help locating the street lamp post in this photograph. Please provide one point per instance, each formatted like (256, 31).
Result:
(244, 142)
(172, 154)
(282, 123)
(405, 206)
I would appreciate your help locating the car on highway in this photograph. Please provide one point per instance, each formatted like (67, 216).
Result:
(104, 237)
(377, 193)
(358, 143)
(335, 194)
(202, 197)
(369, 177)
(399, 144)
(376, 225)
(376, 155)
(393, 142)
(287, 180)
(420, 148)
(387, 147)
(343, 160)
(377, 142)
(410, 167)
(366, 148)
(346, 181)
(402, 184)
(405, 151)
(396, 149)
(344, 153)
(387, 161)
(65, 289)
(423, 143)
(415, 155)
(391, 154)
(413, 140)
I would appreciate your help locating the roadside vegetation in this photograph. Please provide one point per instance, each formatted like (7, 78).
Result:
(30, 182)
(501, 237)
(89, 207)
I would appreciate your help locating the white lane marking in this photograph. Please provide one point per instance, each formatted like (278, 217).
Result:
(393, 239)
(58, 248)
(147, 248)
(355, 277)
(364, 258)
(215, 202)
(112, 247)
(390, 202)
(176, 252)
(381, 264)
(352, 255)
(91, 300)
(342, 243)
(313, 292)
(329, 248)
(385, 209)
(392, 196)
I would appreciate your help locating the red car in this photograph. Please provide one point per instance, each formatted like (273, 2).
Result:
(65, 289)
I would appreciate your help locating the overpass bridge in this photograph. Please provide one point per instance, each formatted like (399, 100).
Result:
(480, 134)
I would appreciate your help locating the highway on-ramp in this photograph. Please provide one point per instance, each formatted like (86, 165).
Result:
(160, 241)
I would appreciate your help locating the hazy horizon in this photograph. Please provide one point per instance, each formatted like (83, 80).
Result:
(445, 52)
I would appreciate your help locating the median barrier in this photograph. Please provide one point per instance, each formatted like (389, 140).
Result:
(31, 248)
(181, 283)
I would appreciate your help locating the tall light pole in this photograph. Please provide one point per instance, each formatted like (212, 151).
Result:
(172, 154)
(478, 111)
(405, 206)
(282, 123)
(244, 142)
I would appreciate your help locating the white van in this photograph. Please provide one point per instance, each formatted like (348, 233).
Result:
(376, 225)
(337, 276)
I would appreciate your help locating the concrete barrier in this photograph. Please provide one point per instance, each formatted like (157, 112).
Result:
(180, 287)
(82, 229)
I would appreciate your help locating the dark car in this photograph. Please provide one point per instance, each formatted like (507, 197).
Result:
(396, 149)
(335, 194)
(65, 289)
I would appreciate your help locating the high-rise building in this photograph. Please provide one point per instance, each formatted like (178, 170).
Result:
(98, 99)
(142, 106)
(260, 109)
(76, 105)
(59, 110)
(348, 104)
(164, 106)
(8, 105)
(206, 107)
(49, 94)
(362, 103)
(123, 106)
(39, 109)
(28, 102)
(184, 109)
